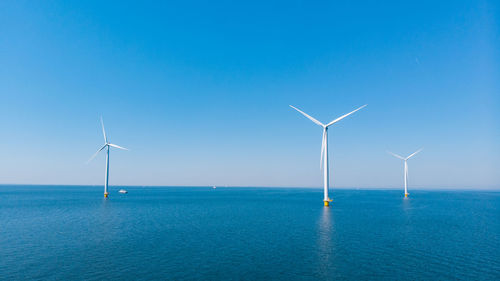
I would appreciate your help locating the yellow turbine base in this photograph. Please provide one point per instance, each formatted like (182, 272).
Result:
(327, 202)
(106, 195)
(406, 195)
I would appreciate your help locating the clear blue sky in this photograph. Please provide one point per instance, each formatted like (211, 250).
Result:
(199, 91)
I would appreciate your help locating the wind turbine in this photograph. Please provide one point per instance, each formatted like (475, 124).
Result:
(324, 149)
(106, 145)
(406, 167)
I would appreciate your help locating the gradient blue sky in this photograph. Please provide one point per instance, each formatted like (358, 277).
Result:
(199, 91)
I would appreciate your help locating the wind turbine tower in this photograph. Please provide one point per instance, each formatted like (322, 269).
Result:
(106, 146)
(324, 149)
(405, 167)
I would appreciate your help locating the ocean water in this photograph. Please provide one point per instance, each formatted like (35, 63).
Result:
(183, 233)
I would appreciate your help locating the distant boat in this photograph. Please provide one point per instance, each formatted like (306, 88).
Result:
(214, 187)
(122, 191)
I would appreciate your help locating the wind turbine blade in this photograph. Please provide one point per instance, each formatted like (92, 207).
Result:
(104, 131)
(95, 154)
(323, 141)
(344, 116)
(310, 118)
(117, 146)
(413, 154)
(395, 155)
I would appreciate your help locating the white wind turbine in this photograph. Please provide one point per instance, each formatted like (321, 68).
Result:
(405, 167)
(106, 145)
(324, 149)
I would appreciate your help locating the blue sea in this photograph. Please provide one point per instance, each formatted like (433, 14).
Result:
(229, 233)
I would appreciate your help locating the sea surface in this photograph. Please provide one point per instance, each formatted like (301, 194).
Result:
(229, 233)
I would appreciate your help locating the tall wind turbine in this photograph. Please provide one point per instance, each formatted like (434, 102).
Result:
(406, 167)
(324, 149)
(106, 145)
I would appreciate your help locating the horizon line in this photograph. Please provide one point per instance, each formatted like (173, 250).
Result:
(284, 187)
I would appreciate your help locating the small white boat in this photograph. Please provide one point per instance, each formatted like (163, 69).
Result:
(214, 187)
(122, 191)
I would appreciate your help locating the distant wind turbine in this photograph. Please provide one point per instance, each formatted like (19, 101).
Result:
(106, 145)
(406, 167)
(324, 149)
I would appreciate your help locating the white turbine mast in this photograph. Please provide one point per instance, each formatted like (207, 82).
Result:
(106, 145)
(405, 167)
(324, 149)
